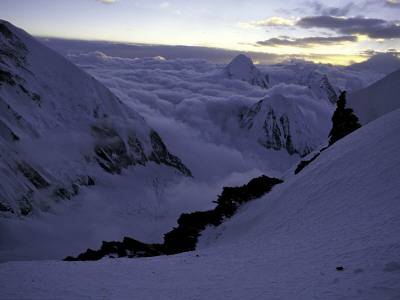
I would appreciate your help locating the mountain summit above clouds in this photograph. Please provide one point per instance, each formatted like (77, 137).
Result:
(278, 123)
(60, 127)
(242, 68)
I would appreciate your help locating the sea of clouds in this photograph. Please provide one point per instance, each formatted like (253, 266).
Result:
(197, 111)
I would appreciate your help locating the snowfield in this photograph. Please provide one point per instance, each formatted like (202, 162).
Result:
(341, 211)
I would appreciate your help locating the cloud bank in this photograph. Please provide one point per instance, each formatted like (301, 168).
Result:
(373, 28)
(308, 42)
(196, 111)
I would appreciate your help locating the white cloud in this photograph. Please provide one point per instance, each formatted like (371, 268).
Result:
(271, 22)
(165, 4)
(276, 21)
(107, 1)
(247, 25)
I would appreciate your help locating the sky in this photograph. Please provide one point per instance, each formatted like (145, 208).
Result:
(339, 32)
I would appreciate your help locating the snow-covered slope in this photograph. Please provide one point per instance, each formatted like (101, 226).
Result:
(377, 99)
(342, 210)
(278, 123)
(242, 68)
(60, 128)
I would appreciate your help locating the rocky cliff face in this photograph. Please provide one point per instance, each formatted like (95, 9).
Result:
(320, 85)
(59, 127)
(242, 68)
(278, 123)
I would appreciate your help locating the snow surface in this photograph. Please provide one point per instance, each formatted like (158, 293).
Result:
(341, 210)
(377, 99)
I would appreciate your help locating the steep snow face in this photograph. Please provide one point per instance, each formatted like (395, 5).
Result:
(342, 210)
(377, 99)
(242, 68)
(59, 127)
(278, 123)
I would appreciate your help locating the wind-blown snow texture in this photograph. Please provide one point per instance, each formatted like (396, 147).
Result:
(340, 211)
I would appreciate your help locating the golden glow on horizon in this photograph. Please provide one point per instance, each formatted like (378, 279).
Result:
(343, 60)
(271, 22)
(276, 21)
(274, 28)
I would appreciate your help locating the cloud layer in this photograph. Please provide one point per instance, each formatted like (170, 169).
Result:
(373, 28)
(308, 42)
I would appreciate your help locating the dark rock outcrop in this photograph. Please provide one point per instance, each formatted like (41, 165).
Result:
(344, 121)
(184, 237)
(304, 163)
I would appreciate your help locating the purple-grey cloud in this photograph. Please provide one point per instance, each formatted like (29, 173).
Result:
(373, 28)
(393, 3)
(322, 9)
(65, 46)
(307, 42)
(106, 1)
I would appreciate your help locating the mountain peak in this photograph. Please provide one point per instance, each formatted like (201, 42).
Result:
(242, 68)
(280, 124)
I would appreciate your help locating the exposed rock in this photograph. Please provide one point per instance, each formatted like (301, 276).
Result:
(279, 124)
(184, 237)
(344, 121)
(304, 163)
(320, 85)
(160, 154)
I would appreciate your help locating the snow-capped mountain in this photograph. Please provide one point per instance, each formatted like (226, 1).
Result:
(242, 68)
(316, 78)
(320, 85)
(60, 127)
(278, 123)
(377, 99)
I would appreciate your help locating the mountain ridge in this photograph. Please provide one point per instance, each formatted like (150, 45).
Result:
(50, 105)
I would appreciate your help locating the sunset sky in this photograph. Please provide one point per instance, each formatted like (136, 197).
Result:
(337, 32)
